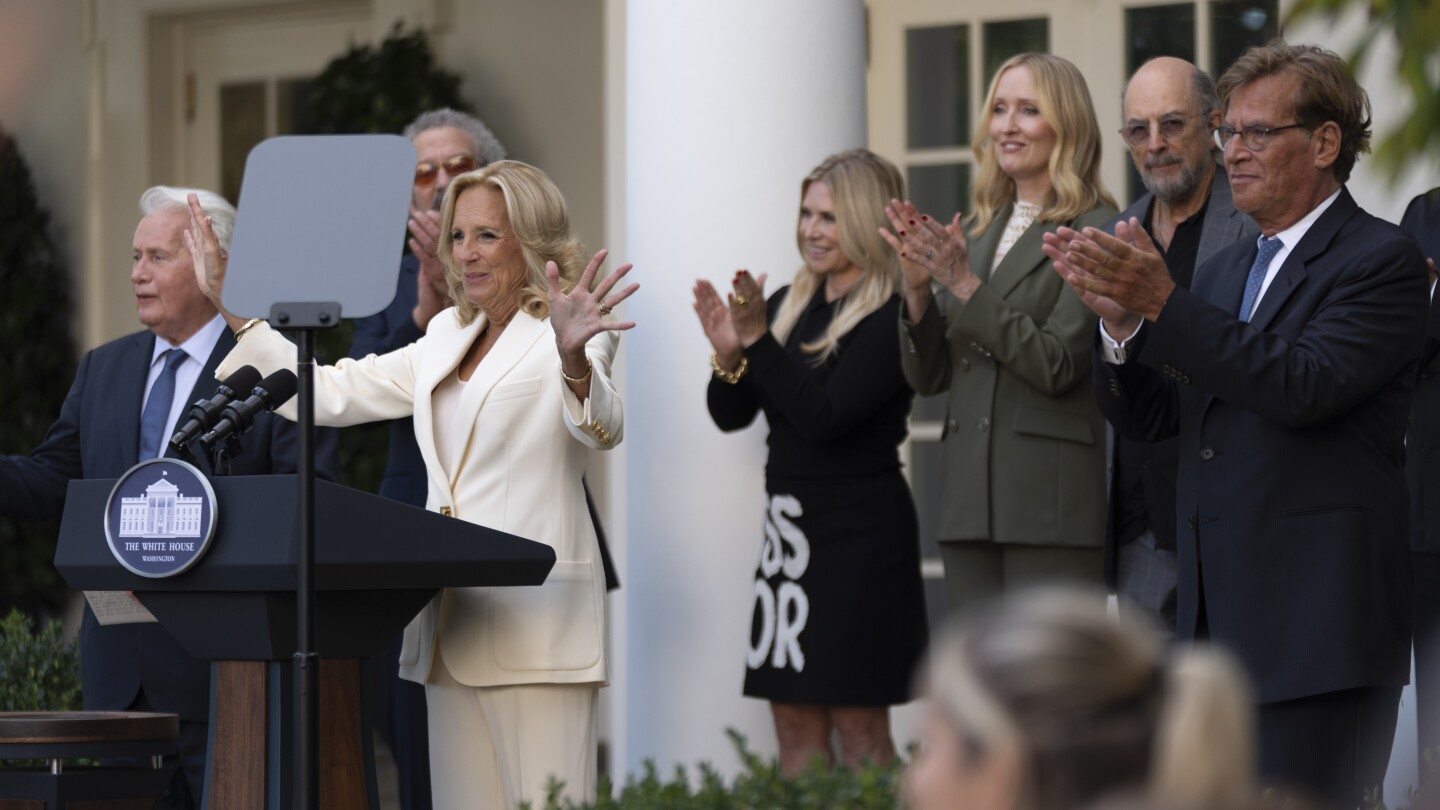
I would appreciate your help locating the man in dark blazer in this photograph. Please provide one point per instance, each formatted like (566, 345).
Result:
(139, 667)
(1170, 107)
(1422, 467)
(1286, 374)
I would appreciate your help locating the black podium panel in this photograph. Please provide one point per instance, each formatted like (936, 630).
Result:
(377, 563)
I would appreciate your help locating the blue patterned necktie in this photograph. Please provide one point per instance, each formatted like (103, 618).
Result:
(1269, 246)
(157, 407)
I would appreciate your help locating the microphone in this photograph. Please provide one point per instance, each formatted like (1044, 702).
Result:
(205, 411)
(269, 394)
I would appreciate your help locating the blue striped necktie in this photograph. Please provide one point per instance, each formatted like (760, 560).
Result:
(1269, 246)
(157, 407)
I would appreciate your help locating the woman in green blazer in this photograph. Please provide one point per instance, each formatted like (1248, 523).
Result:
(985, 319)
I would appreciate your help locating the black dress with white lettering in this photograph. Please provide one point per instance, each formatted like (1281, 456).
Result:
(839, 611)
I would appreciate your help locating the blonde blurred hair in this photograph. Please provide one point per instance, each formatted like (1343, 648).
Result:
(539, 222)
(861, 184)
(1064, 102)
(1090, 707)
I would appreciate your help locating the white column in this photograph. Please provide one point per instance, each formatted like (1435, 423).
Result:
(728, 106)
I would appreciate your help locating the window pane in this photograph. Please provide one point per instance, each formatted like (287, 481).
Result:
(1239, 24)
(1005, 39)
(928, 409)
(937, 86)
(937, 604)
(1159, 31)
(925, 485)
(940, 191)
(242, 125)
(292, 95)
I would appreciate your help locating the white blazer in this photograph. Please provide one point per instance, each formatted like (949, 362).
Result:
(519, 471)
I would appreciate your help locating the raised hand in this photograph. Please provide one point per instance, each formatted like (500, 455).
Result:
(582, 313)
(719, 328)
(747, 307)
(208, 259)
(432, 293)
(929, 250)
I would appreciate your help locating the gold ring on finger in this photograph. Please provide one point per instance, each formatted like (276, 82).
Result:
(604, 309)
(741, 300)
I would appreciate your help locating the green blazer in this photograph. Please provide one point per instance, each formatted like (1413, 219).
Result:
(1023, 442)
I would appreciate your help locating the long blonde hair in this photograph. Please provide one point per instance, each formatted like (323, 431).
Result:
(1064, 102)
(539, 222)
(1091, 707)
(861, 183)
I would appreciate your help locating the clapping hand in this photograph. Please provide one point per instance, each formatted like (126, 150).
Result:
(1122, 278)
(432, 293)
(929, 250)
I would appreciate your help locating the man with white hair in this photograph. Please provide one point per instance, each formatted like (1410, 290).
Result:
(129, 396)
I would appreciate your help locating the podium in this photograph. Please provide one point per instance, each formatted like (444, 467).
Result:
(377, 564)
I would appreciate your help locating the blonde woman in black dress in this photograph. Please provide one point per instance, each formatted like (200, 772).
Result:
(839, 614)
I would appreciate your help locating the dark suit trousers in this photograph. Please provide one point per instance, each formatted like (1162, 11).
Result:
(1333, 746)
(1427, 649)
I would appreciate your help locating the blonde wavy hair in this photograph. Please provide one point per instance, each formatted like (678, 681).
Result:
(1064, 103)
(861, 183)
(1091, 706)
(540, 223)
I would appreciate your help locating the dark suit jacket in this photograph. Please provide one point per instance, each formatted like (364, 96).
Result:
(1422, 220)
(1223, 226)
(98, 436)
(1292, 510)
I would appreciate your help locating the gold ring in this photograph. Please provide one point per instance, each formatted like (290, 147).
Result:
(604, 309)
(741, 300)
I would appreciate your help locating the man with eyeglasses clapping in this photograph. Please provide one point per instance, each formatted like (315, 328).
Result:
(1286, 372)
(1170, 107)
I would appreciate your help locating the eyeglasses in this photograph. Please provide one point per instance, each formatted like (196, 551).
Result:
(426, 172)
(1170, 128)
(1252, 138)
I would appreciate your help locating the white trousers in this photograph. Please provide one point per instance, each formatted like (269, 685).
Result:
(496, 746)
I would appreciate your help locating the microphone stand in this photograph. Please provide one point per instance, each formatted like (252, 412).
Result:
(305, 319)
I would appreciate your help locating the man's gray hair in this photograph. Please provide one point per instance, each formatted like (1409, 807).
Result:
(169, 198)
(487, 146)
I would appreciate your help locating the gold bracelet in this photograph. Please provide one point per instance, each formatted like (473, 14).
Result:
(730, 377)
(250, 324)
(583, 378)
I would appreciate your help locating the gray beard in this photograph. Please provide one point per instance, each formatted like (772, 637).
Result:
(1176, 189)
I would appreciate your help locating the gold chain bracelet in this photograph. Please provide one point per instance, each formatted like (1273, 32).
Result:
(730, 377)
(583, 378)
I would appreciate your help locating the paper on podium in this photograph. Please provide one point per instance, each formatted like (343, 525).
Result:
(118, 607)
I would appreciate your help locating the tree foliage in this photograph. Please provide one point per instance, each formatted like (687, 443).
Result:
(379, 89)
(1415, 25)
(39, 366)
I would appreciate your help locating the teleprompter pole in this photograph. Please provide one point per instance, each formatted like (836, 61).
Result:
(306, 319)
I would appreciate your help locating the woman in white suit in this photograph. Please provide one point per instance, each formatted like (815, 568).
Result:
(510, 390)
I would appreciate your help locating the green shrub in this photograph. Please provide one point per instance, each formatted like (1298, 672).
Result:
(39, 671)
(758, 787)
(39, 366)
